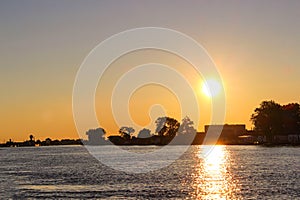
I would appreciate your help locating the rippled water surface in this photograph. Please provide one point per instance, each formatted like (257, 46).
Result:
(229, 172)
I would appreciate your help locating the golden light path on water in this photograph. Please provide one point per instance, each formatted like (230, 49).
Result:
(212, 179)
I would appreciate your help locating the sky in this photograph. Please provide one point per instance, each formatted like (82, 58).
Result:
(254, 44)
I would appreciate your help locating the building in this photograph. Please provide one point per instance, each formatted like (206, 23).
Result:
(224, 134)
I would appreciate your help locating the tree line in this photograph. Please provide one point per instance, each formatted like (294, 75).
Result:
(166, 129)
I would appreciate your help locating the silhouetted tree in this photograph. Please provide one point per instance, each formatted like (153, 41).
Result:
(187, 126)
(167, 126)
(291, 118)
(144, 133)
(38, 142)
(48, 141)
(96, 136)
(126, 132)
(160, 125)
(31, 137)
(267, 119)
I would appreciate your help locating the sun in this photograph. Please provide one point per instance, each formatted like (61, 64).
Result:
(211, 87)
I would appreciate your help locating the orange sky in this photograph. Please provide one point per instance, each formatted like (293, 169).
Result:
(44, 43)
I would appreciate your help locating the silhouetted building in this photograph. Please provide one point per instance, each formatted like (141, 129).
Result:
(199, 138)
(229, 132)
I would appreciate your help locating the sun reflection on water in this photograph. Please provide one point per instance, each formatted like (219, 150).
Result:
(211, 178)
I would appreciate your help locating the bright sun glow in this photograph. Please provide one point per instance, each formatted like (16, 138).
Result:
(211, 88)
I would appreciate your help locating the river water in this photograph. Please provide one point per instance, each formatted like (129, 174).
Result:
(229, 172)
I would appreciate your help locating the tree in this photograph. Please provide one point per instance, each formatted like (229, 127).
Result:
(48, 141)
(38, 142)
(96, 136)
(31, 137)
(126, 132)
(167, 126)
(267, 119)
(187, 126)
(144, 133)
(291, 118)
(96, 133)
